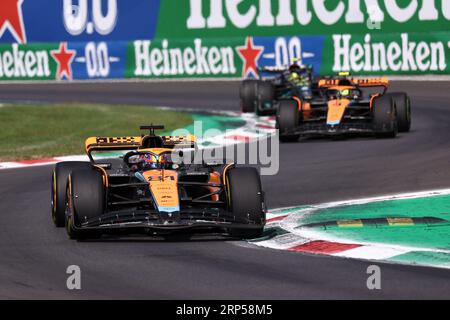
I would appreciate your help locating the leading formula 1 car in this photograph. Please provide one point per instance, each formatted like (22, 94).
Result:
(345, 105)
(148, 191)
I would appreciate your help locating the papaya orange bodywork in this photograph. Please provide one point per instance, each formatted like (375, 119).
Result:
(304, 107)
(214, 177)
(336, 109)
(225, 182)
(104, 175)
(164, 187)
(363, 82)
(371, 100)
(131, 142)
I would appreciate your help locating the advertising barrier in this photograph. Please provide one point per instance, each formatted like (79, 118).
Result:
(118, 39)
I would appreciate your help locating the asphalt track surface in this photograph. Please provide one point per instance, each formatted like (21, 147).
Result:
(34, 255)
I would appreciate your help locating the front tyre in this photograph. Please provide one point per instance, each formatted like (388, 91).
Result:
(86, 194)
(248, 94)
(60, 174)
(246, 201)
(384, 117)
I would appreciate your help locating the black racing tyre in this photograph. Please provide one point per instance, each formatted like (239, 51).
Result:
(86, 194)
(60, 174)
(248, 95)
(384, 117)
(287, 119)
(266, 94)
(246, 201)
(403, 108)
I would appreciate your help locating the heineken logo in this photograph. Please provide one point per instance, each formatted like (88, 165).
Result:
(160, 59)
(27, 62)
(266, 13)
(24, 63)
(401, 54)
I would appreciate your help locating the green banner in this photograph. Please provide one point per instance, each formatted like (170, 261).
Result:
(225, 39)
(236, 57)
(222, 38)
(363, 54)
(392, 54)
(23, 62)
(197, 57)
(233, 18)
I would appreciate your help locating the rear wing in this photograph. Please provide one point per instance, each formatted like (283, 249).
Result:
(135, 142)
(323, 83)
(268, 72)
(280, 69)
(371, 82)
(360, 82)
(112, 143)
(274, 69)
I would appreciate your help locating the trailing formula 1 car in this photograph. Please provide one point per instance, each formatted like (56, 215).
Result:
(148, 189)
(262, 96)
(344, 105)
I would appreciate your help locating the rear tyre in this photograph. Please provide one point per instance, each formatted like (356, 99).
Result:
(246, 201)
(266, 95)
(384, 117)
(86, 194)
(248, 93)
(403, 108)
(60, 174)
(287, 119)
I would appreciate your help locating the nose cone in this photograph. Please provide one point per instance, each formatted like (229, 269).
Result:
(336, 110)
(164, 188)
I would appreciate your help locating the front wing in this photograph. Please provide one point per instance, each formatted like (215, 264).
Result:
(323, 129)
(142, 220)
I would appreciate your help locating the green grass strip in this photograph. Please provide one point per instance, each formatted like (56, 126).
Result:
(39, 131)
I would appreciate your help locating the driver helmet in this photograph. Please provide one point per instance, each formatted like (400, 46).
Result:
(294, 76)
(149, 160)
(298, 79)
(349, 93)
(344, 93)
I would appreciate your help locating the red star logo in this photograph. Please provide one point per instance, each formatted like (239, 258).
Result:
(63, 58)
(250, 55)
(11, 18)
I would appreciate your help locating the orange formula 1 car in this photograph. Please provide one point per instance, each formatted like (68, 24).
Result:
(146, 190)
(346, 105)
